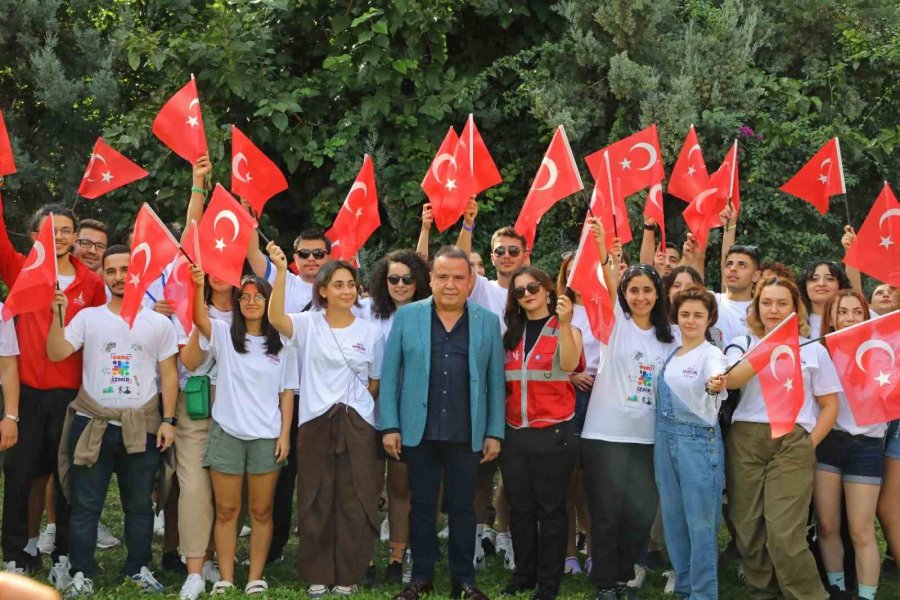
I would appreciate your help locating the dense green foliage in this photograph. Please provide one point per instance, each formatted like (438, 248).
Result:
(318, 83)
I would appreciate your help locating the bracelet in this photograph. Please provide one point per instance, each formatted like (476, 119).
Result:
(649, 227)
(464, 226)
(606, 262)
(196, 190)
(729, 228)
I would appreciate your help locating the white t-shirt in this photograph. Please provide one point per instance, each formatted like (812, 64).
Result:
(64, 281)
(492, 296)
(592, 346)
(297, 293)
(686, 375)
(819, 378)
(327, 379)
(732, 317)
(248, 385)
(365, 312)
(622, 406)
(207, 367)
(846, 422)
(120, 364)
(9, 343)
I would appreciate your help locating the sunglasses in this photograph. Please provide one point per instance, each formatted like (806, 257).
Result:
(318, 254)
(532, 288)
(514, 251)
(396, 279)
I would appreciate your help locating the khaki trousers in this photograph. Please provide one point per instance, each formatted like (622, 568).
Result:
(770, 484)
(196, 511)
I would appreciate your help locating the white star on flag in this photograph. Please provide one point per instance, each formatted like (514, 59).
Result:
(134, 279)
(220, 244)
(626, 164)
(450, 185)
(823, 179)
(887, 242)
(883, 379)
(789, 384)
(192, 121)
(358, 212)
(107, 177)
(691, 170)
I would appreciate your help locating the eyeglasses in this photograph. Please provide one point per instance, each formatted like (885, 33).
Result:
(318, 254)
(88, 244)
(396, 279)
(256, 298)
(514, 251)
(532, 288)
(64, 231)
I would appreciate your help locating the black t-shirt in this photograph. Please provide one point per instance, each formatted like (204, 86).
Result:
(533, 332)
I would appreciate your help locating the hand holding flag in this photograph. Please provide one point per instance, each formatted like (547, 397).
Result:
(875, 251)
(587, 278)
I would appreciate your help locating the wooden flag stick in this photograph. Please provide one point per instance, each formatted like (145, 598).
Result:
(263, 236)
(186, 255)
(847, 208)
(59, 309)
(588, 202)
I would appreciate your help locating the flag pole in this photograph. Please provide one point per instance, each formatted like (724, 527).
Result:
(588, 202)
(612, 198)
(263, 236)
(59, 309)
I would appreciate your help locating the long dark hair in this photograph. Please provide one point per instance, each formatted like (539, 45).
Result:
(810, 271)
(382, 304)
(323, 278)
(239, 325)
(669, 279)
(514, 316)
(659, 315)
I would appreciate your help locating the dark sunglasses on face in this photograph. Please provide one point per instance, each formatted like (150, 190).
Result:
(514, 251)
(396, 279)
(532, 288)
(318, 254)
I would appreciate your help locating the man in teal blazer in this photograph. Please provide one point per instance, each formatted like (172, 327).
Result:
(441, 403)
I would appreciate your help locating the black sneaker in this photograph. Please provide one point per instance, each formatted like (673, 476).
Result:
(394, 573)
(516, 587)
(545, 593)
(171, 562)
(369, 579)
(581, 542)
(889, 569)
(607, 594)
(655, 561)
(836, 593)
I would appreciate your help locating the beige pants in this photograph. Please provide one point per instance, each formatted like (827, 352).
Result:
(770, 485)
(195, 503)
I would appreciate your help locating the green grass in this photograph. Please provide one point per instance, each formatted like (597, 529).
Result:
(284, 584)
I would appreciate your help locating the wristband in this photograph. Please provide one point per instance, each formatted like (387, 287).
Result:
(467, 228)
(606, 262)
(730, 227)
(649, 227)
(196, 190)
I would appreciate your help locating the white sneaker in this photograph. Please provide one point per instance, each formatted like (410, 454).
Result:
(670, 583)
(79, 586)
(245, 531)
(159, 524)
(60, 577)
(104, 538)
(193, 587)
(385, 530)
(479, 554)
(640, 575)
(10, 567)
(210, 572)
(47, 540)
(504, 544)
(444, 533)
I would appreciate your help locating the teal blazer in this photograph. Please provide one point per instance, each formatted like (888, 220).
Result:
(403, 394)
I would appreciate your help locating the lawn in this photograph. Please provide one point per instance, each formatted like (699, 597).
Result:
(284, 584)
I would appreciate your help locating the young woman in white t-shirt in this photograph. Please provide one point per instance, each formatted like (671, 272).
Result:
(818, 283)
(689, 458)
(397, 279)
(255, 383)
(618, 433)
(770, 481)
(337, 503)
(849, 462)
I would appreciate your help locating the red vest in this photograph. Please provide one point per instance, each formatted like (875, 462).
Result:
(539, 395)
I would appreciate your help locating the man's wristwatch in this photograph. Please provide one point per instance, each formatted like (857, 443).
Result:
(14, 418)
(173, 421)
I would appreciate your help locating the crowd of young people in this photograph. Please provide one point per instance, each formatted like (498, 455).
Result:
(421, 390)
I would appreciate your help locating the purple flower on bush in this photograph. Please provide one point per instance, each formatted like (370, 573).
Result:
(746, 131)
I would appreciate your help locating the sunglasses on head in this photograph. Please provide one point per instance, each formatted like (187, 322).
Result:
(396, 279)
(532, 288)
(318, 254)
(514, 251)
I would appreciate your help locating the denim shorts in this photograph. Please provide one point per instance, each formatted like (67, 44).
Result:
(892, 441)
(234, 456)
(857, 458)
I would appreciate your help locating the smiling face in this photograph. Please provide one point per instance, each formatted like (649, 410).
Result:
(693, 319)
(848, 311)
(682, 280)
(341, 290)
(822, 286)
(640, 294)
(253, 303)
(882, 299)
(115, 273)
(63, 233)
(673, 257)
(403, 290)
(775, 305)
(533, 295)
(89, 247)
(305, 257)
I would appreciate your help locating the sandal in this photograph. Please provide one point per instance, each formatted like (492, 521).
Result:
(257, 586)
(221, 587)
(317, 590)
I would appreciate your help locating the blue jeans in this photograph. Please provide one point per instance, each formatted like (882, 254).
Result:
(136, 474)
(689, 461)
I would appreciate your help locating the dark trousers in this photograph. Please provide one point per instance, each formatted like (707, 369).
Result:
(283, 502)
(459, 465)
(41, 416)
(136, 474)
(536, 477)
(621, 492)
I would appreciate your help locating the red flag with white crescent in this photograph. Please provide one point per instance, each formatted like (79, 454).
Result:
(35, 286)
(179, 125)
(587, 279)
(224, 232)
(635, 160)
(820, 178)
(441, 183)
(689, 176)
(358, 216)
(557, 178)
(107, 170)
(608, 204)
(152, 250)
(474, 160)
(702, 214)
(865, 356)
(653, 209)
(7, 161)
(179, 288)
(254, 177)
(875, 251)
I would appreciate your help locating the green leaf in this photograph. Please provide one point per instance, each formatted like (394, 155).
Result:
(280, 120)
(380, 27)
(134, 59)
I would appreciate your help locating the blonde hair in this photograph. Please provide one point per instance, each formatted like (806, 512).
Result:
(756, 326)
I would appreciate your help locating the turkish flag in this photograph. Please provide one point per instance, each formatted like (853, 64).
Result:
(702, 214)
(7, 161)
(608, 204)
(441, 184)
(106, 171)
(562, 179)
(776, 360)
(179, 125)
(254, 177)
(865, 356)
(635, 160)
(653, 209)
(224, 246)
(820, 178)
(35, 286)
(179, 288)
(873, 251)
(689, 176)
(587, 279)
(152, 250)
(358, 217)
(474, 160)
